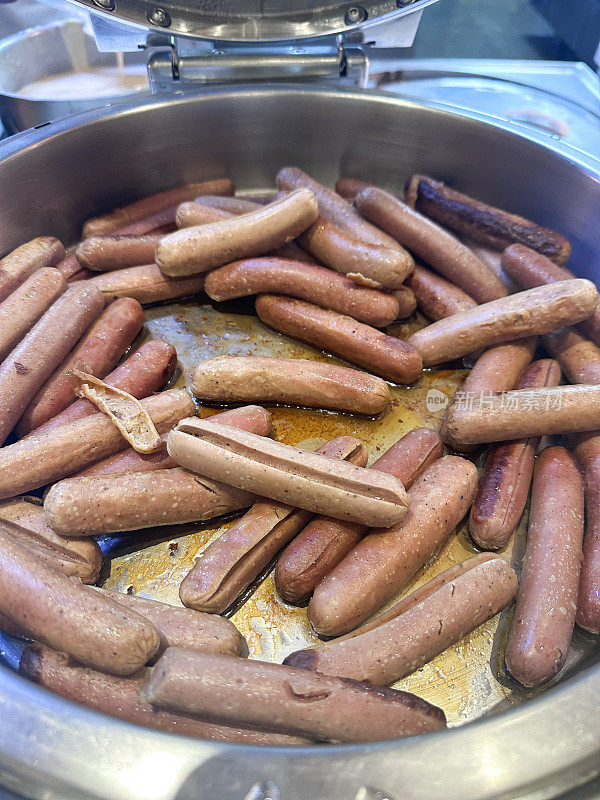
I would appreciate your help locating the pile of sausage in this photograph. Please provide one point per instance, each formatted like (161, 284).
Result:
(331, 269)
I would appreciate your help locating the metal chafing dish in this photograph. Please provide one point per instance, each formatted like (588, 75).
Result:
(514, 745)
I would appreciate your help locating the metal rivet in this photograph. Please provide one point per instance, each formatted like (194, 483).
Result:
(354, 15)
(159, 16)
(107, 5)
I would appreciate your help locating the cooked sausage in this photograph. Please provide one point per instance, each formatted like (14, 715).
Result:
(43, 458)
(161, 221)
(372, 349)
(119, 218)
(287, 474)
(528, 269)
(16, 267)
(119, 697)
(384, 561)
(436, 297)
(110, 251)
(429, 621)
(146, 284)
(143, 373)
(493, 260)
(506, 477)
(79, 558)
(578, 356)
(324, 542)
(534, 311)
(96, 353)
(433, 244)
(193, 250)
(499, 368)
(309, 282)
(292, 381)
(286, 699)
(586, 448)
(523, 413)
(348, 188)
(251, 418)
(484, 223)
(191, 214)
(70, 616)
(544, 617)
(69, 267)
(26, 304)
(46, 345)
(181, 627)
(230, 563)
(232, 205)
(407, 302)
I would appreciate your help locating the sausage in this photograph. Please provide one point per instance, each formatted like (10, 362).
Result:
(429, 621)
(146, 284)
(286, 699)
(79, 558)
(127, 215)
(43, 458)
(23, 307)
(493, 260)
(348, 188)
(181, 627)
(315, 284)
(587, 452)
(69, 267)
(386, 356)
(407, 302)
(120, 500)
(578, 356)
(436, 297)
(230, 563)
(190, 214)
(232, 205)
(70, 616)
(484, 223)
(142, 374)
(292, 381)
(162, 220)
(506, 477)
(523, 413)
(499, 368)
(324, 542)
(287, 474)
(538, 310)
(433, 244)
(539, 637)
(16, 267)
(111, 251)
(96, 353)
(46, 345)
(384, 561)
(528, 269)
(119, 697)
(251, 418)
(194, 250)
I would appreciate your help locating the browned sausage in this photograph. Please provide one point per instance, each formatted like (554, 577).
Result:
(383, 355)
(198, 249)
(544, 617)
(587, 453)
(79, 558)
(43, 458)
(293, 381)
(190, 214)
(286, 699)
(493, 260)
(119, 697)
(111, 251)
(533, 311)
(143, 373)
(429, 621)
(230, 563)
(506, 477)
(96, 353)
(161, 221)
(384, 561)
(578, 356)
(407, 302)
(315, 284)
(348, 188)
(499, 368)
(46, 345)
(70, 616)
(482, 222)
(146, 284)
(23, 307)
(433, 244)
(69, 267)
(231, 205)
(16, 267)
(324, 542)
(436, 297)
(140, 209)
